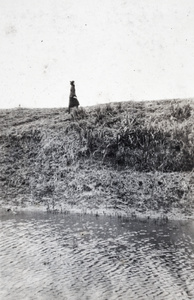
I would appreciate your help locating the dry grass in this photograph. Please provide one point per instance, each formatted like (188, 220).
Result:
(120, 155)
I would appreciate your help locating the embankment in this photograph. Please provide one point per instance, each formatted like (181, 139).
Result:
(129, 157)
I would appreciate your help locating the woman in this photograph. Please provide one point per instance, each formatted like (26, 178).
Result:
(73, 102)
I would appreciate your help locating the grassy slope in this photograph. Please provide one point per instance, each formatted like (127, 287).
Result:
(130, 155)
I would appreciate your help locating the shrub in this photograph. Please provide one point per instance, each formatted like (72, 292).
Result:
(140, 148)
(180, 113)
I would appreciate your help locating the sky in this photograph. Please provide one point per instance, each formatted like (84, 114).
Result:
(114, 50)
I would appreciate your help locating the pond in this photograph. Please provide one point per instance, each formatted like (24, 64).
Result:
(83, 257)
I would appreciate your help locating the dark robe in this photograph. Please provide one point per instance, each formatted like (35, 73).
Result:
(73, 101)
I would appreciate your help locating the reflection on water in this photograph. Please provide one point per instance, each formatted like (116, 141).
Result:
(44, 256)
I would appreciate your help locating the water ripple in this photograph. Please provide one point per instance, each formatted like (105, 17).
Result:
(82, 257)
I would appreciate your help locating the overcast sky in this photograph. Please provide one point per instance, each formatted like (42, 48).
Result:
(115, 50)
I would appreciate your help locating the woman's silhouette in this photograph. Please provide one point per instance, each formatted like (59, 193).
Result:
(73, 102)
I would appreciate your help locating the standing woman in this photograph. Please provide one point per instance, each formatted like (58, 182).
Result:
(73, 102)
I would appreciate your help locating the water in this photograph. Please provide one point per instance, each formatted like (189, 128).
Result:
(45, 256)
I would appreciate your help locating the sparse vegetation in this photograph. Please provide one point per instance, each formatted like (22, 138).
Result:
(131, 155)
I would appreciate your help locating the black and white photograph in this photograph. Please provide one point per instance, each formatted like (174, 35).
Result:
(96, 149)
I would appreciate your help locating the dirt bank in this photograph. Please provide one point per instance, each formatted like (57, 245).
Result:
(126, 157)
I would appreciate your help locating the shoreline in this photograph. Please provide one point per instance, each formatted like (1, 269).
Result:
(102, 210)
(151, 215)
